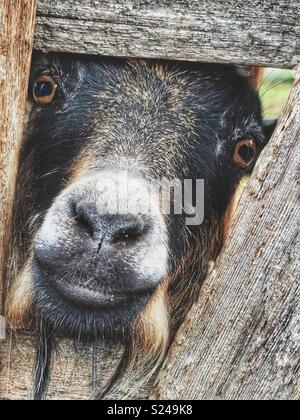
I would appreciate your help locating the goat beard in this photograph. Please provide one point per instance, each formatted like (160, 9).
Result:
(141, 365)
(46, 337)
(45, 344)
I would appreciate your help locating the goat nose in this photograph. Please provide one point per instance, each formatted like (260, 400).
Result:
(109, 228)
(126, 228)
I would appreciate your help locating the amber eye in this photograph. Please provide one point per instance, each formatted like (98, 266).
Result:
(245, 153)
(44, 90)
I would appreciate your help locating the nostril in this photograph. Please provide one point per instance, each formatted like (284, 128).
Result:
(85, 224)
(129, 230)
(108, 228)
(85, 218)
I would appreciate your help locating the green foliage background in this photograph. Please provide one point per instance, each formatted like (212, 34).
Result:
(275, 91)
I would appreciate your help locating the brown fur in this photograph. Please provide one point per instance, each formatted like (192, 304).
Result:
(20, 300)
(256, 75)
(233, 206)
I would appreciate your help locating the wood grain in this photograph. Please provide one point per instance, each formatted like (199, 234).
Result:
(262, 33)
(16, 42)
(242, 338)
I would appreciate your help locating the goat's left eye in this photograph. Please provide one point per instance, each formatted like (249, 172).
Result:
(245, 153)
(44, 90)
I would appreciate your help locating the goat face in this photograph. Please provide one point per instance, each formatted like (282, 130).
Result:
(104, 128)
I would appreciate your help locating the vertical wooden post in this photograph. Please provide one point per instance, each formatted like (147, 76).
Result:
(17, 20)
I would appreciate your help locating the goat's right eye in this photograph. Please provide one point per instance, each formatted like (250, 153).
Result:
(44, 90)
(245, 153)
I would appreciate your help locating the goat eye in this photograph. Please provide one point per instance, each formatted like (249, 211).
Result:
(44, 90)
(245, 153)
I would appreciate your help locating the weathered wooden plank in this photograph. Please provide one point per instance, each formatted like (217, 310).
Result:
(242, 338)
(258, 33)
(16, 41)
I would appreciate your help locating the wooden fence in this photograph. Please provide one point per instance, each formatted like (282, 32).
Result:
(242, 338)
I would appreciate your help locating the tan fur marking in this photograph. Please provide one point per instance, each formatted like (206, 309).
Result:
(256, 75)
(19, 299)
(233, 206)
(79, 169)
(153, 324)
